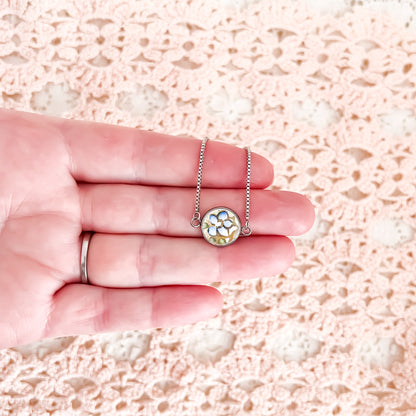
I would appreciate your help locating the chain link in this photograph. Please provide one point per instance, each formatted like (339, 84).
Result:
(196, 218)
(246, 230)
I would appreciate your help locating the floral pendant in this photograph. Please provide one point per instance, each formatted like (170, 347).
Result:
(220, 226)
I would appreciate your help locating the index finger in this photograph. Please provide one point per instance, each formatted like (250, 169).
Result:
(104, 153)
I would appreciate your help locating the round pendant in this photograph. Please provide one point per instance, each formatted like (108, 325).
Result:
(220, 226)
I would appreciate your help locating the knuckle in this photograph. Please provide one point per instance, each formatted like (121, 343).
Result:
(160, 212)
(100, 312)
(138, 159)
(145, 262)
(86, 204)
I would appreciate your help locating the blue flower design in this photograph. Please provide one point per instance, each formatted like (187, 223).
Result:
(221, 224)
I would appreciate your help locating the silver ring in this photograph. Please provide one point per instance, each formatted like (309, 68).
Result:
(86, 238)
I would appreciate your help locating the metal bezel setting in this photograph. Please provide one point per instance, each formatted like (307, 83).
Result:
(225, 209)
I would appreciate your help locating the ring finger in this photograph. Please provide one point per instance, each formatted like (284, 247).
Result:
(117, 260)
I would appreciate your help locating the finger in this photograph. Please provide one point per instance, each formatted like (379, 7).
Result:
(83, 309)
(117, 260)
(108, 153)
(101, 153)
(120, 208)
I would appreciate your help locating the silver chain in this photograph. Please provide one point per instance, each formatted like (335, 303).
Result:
(246, 230)
(196, 219)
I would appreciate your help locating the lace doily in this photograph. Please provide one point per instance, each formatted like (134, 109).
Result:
(325, 90)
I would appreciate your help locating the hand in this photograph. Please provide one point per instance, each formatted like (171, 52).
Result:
(136, 190)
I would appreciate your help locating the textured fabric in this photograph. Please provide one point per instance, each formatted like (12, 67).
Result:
(325, 90)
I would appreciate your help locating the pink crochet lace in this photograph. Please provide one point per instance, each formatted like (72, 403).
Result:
(324, 89)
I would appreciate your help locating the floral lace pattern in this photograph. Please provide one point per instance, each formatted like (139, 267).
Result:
(325, 90)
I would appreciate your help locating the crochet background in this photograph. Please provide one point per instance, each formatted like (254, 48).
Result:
(325, 90)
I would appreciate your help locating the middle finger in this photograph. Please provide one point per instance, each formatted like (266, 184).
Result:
(122, 208)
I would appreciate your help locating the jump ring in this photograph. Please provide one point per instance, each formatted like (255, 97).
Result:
(246, 230)
(196, 220)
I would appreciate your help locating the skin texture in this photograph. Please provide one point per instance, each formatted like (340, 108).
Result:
(136, 189)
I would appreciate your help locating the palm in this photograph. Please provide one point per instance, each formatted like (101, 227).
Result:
(39, 241)
(135, 189)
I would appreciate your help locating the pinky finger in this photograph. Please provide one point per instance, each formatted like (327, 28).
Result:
(83, 309)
